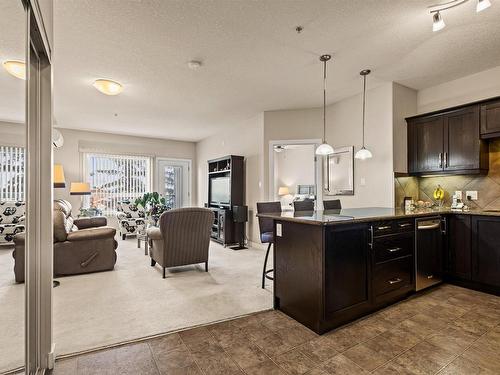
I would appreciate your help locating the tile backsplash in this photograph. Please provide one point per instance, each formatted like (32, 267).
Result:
(487, 187)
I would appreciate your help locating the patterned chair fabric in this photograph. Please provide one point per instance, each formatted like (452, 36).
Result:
(11, 220)
(131, 219)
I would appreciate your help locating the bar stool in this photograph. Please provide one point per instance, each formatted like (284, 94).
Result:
(333, 204)
(305, 205)
(266, 228)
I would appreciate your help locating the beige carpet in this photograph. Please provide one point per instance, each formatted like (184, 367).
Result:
(134, 301)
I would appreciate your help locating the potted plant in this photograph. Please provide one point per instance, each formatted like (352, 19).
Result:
(153, 204)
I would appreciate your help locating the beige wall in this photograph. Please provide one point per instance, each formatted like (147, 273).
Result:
(404, 105)
(344, 128)
(69, 155)
(12, 134)
(478, 86)
(243, 139)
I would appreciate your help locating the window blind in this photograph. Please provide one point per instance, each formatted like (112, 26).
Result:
(12, 162)
(116, 178)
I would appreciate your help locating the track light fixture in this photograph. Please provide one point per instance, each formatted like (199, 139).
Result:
(437, 9)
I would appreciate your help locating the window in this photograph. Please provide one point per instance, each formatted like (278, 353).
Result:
(11, 173)
(116, 178)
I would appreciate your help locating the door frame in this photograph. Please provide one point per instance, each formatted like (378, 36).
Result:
(318, 160)
(39, 346)
(156, 184)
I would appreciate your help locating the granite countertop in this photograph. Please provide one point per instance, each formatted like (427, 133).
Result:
(352, 215)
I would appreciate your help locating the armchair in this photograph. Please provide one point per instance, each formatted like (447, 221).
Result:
(131, 219)
(183, 238)
(80, 245)
(11, 220)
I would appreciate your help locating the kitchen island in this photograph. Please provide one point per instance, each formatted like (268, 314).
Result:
(331, 267)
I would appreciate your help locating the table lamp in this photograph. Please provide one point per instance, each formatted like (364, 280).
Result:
(283, 190)
(59, 180)
(80, 188)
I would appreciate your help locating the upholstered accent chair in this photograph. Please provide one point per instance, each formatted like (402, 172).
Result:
(131, 219)
(11, 221)
(183, 238)
(80, 245)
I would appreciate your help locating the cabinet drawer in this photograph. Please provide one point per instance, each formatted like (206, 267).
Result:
(383, 228)
(392, 275)
(392, 247)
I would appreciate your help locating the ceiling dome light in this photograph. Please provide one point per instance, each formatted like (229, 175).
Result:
(108, 87)
(16, 68)
(437, 22)
(194, 64)
(482, 5)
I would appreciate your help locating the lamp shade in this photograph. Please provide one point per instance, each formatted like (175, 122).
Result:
(80, 188)
(59, 181)
(283, 190)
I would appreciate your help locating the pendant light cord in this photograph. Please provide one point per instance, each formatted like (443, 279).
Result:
(324, 101)
(364, 101)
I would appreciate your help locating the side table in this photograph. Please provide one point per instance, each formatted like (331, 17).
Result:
(143, 236)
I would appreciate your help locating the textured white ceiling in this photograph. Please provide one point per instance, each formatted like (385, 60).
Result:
(252, 58)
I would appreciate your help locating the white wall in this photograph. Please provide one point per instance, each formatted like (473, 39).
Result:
(243, 139)
(344, 128)
(69, 155)
(478, 86)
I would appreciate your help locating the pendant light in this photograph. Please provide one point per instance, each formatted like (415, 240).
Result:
(324, 148)
(364, 153)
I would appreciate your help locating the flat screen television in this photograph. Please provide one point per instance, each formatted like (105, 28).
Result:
(220, 190)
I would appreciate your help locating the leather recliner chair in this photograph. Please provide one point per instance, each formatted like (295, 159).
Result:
(82, 245)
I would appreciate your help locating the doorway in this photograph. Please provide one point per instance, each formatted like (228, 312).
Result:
(294, 172)
(174, 181)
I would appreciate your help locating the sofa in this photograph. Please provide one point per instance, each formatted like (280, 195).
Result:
(11, 221)
(183, 238)
(80, 245)
(131, 219)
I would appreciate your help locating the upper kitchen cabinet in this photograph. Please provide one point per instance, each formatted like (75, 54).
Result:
(490, 119)
(447, 142)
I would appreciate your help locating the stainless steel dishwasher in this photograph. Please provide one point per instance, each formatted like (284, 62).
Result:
(429, 250)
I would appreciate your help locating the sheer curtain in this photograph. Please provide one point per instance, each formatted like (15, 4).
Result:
(12, 163)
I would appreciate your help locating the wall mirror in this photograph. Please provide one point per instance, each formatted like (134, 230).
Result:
(339, 172)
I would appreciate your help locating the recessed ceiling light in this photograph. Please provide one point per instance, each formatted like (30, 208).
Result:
(108, 87)
(194, 65)
(16, 68)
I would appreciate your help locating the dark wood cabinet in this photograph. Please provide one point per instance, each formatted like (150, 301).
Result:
(490, 119)
(447, 142)
(458, 256)
(347, 264)
(463, 149)
(425, 145)
(486, 250)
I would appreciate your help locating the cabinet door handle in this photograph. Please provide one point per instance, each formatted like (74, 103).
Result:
(385, 227)
(445, 159)
(371, 237)
(430, 276)
(395, 281)
(440, 160)
(394, 249)
(404, 225)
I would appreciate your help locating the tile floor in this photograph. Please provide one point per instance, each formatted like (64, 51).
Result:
(449, 330)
